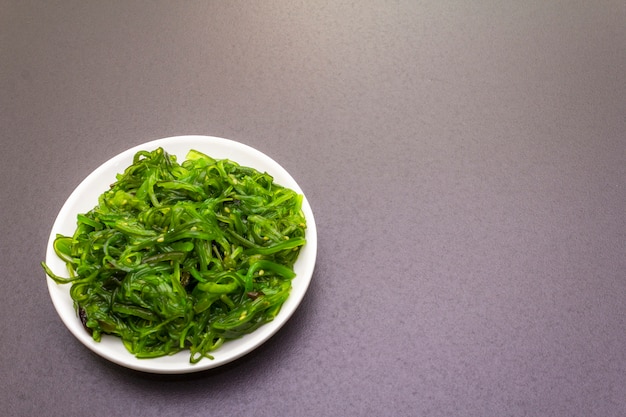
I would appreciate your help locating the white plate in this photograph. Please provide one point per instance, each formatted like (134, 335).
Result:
(85, 197)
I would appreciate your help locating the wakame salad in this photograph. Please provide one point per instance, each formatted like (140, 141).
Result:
(180, 256)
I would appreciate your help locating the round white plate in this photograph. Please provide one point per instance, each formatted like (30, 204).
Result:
(85, 197)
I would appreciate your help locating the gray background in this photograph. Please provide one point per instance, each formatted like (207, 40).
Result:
(465, 161)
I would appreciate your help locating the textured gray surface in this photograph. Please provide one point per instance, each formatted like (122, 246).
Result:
(466, 163)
